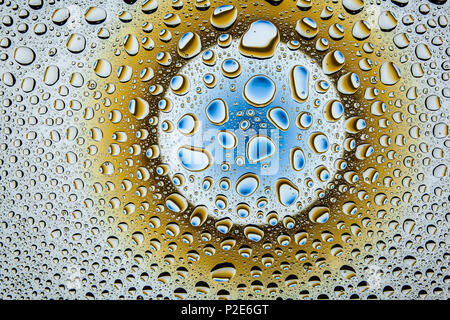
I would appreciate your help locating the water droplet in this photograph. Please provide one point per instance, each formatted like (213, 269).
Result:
(176, 203)
(131, 44)
(223, 17)
(318, 142)
(287, 192)
(279, 117)
(333, 62)
(348, 83)
(189, 45)
(259, 91)
(389, 73)
(253, 233)
(361, 30)
(304, 120)
(260, 40)
(297, 158)
(423, 52)
(188, 124)
(260, 148)
(231, 68)
(179, 85)
(247, 184)
(334, 110)
(95, 15)
(319, 214)
(102, 68)
(217, 112)
(198, 216)
(24, 55)
(300, 83)
(387, 21)
(227, 139)
(223, 272)
(139, 108)
(353, 6)
(433, 103)
(194, 159)
(307, 28)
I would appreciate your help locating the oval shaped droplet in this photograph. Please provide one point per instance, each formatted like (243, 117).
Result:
(287, 192)
(300, 83)
(224, 16)
(279, 117)
(260, 40)
(217, 112)
(223, 272)
(260, 148)
(189, 45)
(194, 159)
(259, 91)
(247, 184)
(297, 157)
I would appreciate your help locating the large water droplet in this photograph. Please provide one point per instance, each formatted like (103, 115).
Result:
(223, 272)
(227, 139)
(179, 85)
(259, 148)
(176, 202)
(95, 15)
(259, 91)
(217, 111)
(348, 83)
(287, 192)
(307, 28)
(260, 40)
(318, 142)
(247, 184)
(297, 158)
(224, 16)
(300, 83)
(389, 73)
(353, 6)
(24, 55)
(194, 159)
(76, 43)
(333, 62)
(319, 214)
(304, 120)
(361, 30)
(423, 52)
(334, 110)
(188, 124)
(198, 216)
(253, 233)
(279, 117)
(139, 108)
(131, 44)
(387, 21)
(231, 68)
(189, 45)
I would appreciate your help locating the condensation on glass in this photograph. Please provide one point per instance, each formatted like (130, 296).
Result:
(197, 149)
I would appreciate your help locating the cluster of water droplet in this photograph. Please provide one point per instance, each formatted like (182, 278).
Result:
(262, 133)
(190, 149)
